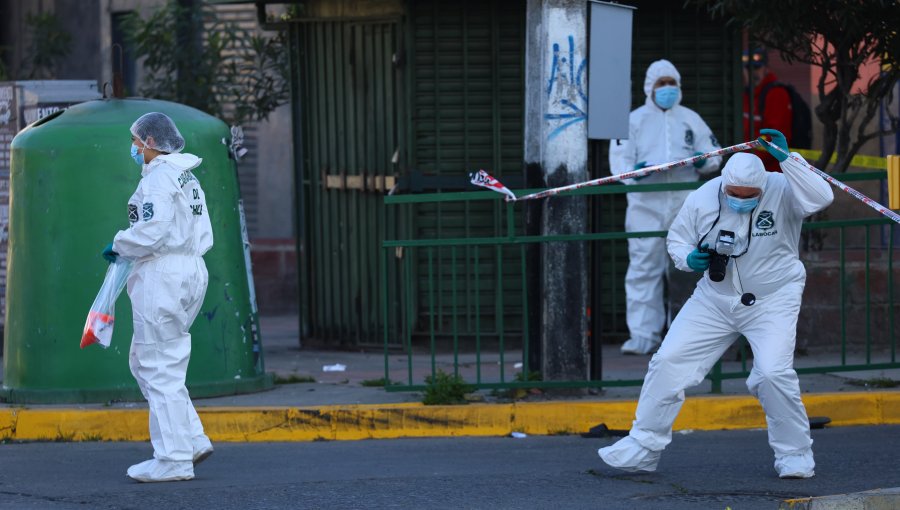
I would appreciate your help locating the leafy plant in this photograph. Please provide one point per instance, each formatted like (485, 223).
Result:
(839, 37)
(48, 44)
(377, 383)
(446, 389)
(532, 376)
(294, 379)
(192, 57)
(877, 382)
(520, 392)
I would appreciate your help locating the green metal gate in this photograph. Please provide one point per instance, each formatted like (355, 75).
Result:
(467, 92)
(849, 313)
(352, 128)
(397, 104)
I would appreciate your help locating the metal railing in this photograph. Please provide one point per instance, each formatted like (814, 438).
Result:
(460, 304)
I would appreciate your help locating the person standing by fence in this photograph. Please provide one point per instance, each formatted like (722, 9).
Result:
(660, 131)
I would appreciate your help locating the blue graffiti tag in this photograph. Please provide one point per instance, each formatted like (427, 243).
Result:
(567, 81)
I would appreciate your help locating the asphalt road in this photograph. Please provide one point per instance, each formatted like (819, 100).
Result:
(705, 470)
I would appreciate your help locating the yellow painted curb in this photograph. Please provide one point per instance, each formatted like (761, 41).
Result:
(247, 424)
(874, 499)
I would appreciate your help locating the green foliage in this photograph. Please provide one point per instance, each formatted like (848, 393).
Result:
(838, 36)
(294, 379)
(48, 44)
(445, 389)
(532, 376)
(194, 58)
(877, 382)
(520, 392)
(63, 437)
(377, 383)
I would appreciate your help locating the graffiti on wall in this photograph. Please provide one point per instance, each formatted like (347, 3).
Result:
(566, 96)
(6, 97)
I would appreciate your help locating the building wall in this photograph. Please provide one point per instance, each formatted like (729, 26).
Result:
(83, 23)
(265, 175)
(275, 179)
(353, 8)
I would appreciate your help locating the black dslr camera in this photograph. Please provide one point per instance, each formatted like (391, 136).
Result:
(718, 256)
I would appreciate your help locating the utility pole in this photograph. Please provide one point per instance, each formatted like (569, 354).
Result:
(556, 154)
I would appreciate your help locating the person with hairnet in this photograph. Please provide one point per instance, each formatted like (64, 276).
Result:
(743, 230)
(169, 233)
(660, 131)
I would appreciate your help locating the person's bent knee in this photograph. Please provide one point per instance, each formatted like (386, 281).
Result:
(777, 377)
(664, 357)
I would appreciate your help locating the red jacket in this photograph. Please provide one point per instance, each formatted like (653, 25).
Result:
(777, 115)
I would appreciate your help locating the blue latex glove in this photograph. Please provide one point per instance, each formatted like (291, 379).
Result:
(638, 166)
(699, 260)
(109, 254)
(699, 164)
(778, 139)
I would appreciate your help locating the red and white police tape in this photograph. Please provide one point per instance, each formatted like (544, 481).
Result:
(838, 184)
(482, 178)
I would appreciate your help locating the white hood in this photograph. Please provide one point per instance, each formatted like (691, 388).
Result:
(656, 71)
(178, 161)
(744, 169)
(181, 161)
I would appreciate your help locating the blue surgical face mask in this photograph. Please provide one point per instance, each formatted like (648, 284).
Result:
(666, 96)
(742, 205)
(137, 157)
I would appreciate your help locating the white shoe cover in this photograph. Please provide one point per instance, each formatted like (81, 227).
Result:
(154, 470)
(203, 448)
(796, 466)
(628, 455)
(639, 346)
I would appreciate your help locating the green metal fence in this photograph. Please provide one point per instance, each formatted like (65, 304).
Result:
(436, 317)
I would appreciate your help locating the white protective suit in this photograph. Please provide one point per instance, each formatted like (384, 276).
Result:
(656, 136)
(170, 231)
(714, 317)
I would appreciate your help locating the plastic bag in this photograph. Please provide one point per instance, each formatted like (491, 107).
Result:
(98, 327)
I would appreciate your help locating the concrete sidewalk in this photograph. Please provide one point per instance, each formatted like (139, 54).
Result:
(285, 358)
(879, 499)
(338, 406)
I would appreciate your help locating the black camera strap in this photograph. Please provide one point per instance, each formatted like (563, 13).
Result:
(716, 221)
(747, 298)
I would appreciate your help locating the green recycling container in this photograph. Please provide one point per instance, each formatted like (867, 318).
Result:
(71, 177)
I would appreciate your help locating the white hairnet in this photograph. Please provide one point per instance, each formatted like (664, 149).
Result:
(656, 71)
(744, 169)
(161, 128)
